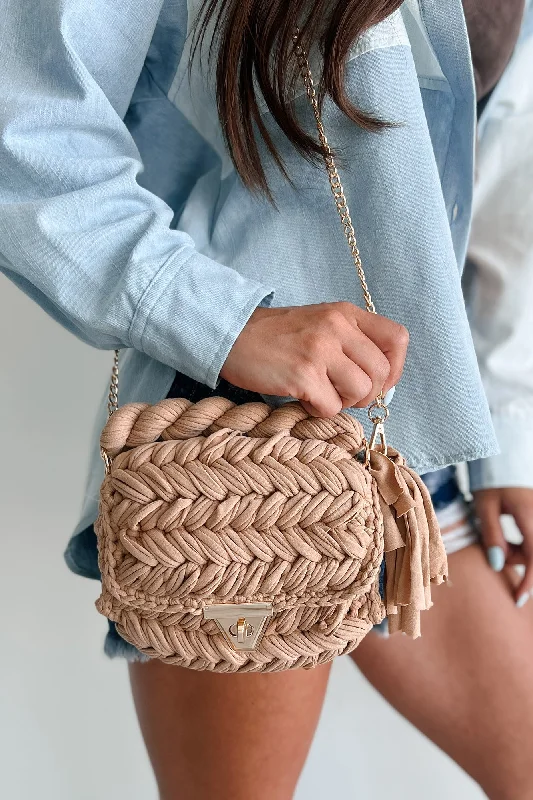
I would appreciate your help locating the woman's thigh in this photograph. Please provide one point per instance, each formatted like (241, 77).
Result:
(227, 736)
(467, 683)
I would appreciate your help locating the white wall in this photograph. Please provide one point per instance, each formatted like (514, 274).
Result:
(57, 690)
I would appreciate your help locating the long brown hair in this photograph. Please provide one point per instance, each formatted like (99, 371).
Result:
(253, 45)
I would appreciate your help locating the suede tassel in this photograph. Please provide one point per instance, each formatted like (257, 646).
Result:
(414, 552)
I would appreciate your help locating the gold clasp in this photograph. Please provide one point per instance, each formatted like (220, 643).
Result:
(241, 630)
(241, 624)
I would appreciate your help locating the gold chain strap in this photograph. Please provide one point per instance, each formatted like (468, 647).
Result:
(112, 405)
(331, 168)
(377, 411)
(112, 399)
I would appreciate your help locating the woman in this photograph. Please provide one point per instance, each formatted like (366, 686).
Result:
(157, 202)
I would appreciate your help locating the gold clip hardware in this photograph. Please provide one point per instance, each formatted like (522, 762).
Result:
(241, 624)
(378, 432)
(241, 629)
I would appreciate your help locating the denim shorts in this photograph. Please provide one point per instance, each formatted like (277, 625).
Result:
(452, 511)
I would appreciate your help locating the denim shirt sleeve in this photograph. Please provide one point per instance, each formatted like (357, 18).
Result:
(77, 232)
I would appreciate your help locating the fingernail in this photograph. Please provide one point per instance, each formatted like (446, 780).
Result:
(496, 558)
(522, 600)
(389, 395)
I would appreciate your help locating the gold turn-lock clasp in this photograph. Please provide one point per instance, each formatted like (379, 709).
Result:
(241, 624)
(241, 630)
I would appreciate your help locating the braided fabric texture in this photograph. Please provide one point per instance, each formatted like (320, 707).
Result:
(210, 503)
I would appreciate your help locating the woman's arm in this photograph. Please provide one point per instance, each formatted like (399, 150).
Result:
(77, 232)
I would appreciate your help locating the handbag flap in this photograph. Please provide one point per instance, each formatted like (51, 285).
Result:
(232, 518)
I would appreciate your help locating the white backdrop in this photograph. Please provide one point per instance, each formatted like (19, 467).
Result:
(57, 689)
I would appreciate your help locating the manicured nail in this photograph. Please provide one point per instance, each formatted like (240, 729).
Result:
(496, 558)
(522, 600)
(389, 395)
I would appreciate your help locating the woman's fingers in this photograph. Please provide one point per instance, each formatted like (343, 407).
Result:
(362, 356)
(523, 517)
(488, 509)
(344, 385)
(338, 354)
(391, 338)
(517, 502)
(375, 344)
(329, 355)
(515, 555)
(352, 383)
(319, 398)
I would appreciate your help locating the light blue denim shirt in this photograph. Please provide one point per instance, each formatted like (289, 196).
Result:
(122, 216)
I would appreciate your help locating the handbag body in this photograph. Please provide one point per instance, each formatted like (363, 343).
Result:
(234, 537)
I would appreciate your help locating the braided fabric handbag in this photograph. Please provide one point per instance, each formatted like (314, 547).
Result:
(242, 538)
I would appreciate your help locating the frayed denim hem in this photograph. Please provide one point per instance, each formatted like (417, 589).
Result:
(117, 647)
(81, 554)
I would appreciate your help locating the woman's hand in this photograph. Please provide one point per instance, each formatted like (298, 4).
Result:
(518, 502)
(329, 356)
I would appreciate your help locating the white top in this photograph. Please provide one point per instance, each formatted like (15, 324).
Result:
(501, 252)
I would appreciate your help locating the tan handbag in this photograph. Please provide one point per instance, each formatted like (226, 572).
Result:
(242, 538)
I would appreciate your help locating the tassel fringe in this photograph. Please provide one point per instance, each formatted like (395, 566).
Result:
(414, 552)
